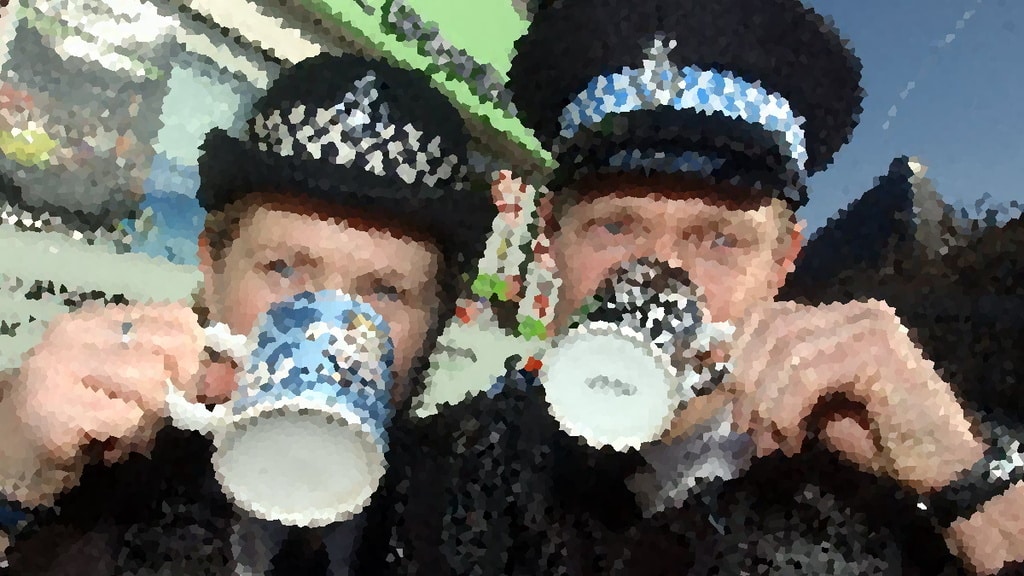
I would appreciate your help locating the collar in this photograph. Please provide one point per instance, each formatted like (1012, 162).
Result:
(678, 470)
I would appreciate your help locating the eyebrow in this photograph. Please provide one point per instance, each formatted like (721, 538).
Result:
(605, 212)
(391, 276)
(386, 273)
(744, 225)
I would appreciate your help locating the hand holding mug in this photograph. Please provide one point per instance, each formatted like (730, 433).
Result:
(898, 417)
(95, 386)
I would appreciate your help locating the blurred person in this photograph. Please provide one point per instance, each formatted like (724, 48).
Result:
(349, 176)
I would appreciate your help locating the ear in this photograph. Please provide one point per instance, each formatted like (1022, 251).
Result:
(206, 298)
(789, 249)
(545, 212)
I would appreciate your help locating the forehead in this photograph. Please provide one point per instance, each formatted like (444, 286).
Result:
(676, 202)
(331, 235)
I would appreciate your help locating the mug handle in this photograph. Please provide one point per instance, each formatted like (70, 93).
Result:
(193, 416)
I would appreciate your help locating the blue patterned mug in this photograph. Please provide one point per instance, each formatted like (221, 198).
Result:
(304, 439)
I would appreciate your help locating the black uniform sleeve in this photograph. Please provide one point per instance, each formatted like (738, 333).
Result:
(148, 513)
(491, 486)
(455, 488)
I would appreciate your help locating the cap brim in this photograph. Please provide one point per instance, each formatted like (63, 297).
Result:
(713, 148)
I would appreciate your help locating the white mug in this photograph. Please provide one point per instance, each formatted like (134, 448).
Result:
(638, 353)
(304, 438)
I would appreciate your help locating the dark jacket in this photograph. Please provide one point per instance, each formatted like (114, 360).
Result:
(514, 495)
(491, 486)
(497, 488)
(159, 515)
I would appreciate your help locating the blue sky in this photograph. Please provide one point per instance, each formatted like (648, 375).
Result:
(964, 116)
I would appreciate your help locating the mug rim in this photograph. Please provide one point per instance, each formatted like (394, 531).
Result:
(678, 385)
(299, 405)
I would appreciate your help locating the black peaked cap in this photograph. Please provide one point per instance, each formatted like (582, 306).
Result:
(359, 133)
(781, 45)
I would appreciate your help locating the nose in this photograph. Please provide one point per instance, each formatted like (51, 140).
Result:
(666, 249)
(218, 383)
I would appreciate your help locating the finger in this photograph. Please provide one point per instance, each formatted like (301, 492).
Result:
(791, 441)
(754, 326)
(864, 361)
(135, 441)
(856, 444)
(182, 348)
(109, 419)
(778, 421)
(749, 386)
(758, 385)
(697, 411)
(217, 384)
(171, 330)
(862, 351)
(759, 356)
(832, 350)
(67, 419)
(174, 330)
(139, 378)
(817, 372)
(112, 327)
(764, 442)
(760, 433)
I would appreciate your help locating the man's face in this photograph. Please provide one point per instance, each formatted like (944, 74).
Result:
(281, 252)
(738, 252)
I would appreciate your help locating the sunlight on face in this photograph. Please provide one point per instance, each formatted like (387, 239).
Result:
(738, 254)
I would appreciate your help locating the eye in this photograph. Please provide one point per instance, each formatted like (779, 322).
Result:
(616, 227)
(724, 240)
(279, 267)
(384, 291)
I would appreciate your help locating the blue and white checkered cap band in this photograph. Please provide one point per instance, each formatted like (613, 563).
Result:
(659, 83)
(657, 161)
(356, 131)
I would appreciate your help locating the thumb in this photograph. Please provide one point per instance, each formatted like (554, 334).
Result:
(210, 364)
(847, 437)
(217, 384)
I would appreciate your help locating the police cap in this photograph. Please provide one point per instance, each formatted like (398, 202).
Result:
(757, 93)
(360, 133)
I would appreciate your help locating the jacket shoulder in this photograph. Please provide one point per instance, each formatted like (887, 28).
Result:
(465, 482)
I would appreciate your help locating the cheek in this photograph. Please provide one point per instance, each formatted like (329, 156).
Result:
(586, 265)
(408, 327)
(246, 297)
(722, 286)
(733, 286)
(584, 270)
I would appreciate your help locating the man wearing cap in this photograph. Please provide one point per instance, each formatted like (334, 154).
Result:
(684, 133)
(349, 176)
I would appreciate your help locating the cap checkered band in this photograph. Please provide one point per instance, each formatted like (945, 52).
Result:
(656, 161)
(660, 83)
(357, 131)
